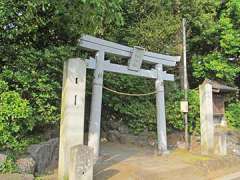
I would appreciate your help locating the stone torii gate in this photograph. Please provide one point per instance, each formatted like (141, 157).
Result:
(72, 123)
(136, 55)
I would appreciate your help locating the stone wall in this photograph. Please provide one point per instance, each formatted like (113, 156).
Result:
(37, 159)
(44, 154)
(117, 131)
(233, 142)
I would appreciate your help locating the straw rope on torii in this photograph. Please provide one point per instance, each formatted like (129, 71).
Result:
(130, 94)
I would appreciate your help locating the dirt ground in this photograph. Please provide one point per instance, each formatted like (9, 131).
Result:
(130, 162)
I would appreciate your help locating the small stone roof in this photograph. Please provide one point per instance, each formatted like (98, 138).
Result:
(219, 87)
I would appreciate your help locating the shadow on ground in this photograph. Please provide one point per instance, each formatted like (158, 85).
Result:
(119, 162)
(131, 162)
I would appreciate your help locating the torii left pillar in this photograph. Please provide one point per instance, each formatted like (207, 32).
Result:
(96, 105)
(72, 112)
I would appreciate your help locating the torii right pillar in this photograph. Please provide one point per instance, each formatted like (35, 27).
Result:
(161, 117)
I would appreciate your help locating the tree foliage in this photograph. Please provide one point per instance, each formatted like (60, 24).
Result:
(233, 115)
(214, 66)
(175, 116)
(37, 36)
(15, 120)
(219, 52)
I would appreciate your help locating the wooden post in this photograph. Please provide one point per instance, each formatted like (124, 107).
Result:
(72, 112)
(206, 118)
(185, 84)
(96, 104)
(161, 119)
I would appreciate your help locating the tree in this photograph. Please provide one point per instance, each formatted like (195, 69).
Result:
(36, 37)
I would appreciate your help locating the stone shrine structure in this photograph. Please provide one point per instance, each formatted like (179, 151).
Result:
(212, 120)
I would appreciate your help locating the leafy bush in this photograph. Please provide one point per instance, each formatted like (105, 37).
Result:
(175, 117)
(15, 120)
(9, 165)
(37, 76)
(140, 116)
(233, 115)
(137, 112)
(3, 86)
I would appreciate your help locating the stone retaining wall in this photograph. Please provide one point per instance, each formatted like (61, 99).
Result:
(113, 131)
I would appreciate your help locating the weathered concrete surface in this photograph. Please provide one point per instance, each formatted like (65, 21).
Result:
(220, 141)
(96, 105)
(81, 163)
(206, 119)
(160, 109)
(72, 111)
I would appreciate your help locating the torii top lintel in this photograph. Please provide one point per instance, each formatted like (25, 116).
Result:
(95, 44)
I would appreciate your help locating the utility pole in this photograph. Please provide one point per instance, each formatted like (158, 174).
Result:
(185, 83)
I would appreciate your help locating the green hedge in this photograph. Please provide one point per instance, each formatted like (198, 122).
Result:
(15, 119)
(139, 113)
(232, 115)
(175, 117)
(30, 92)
